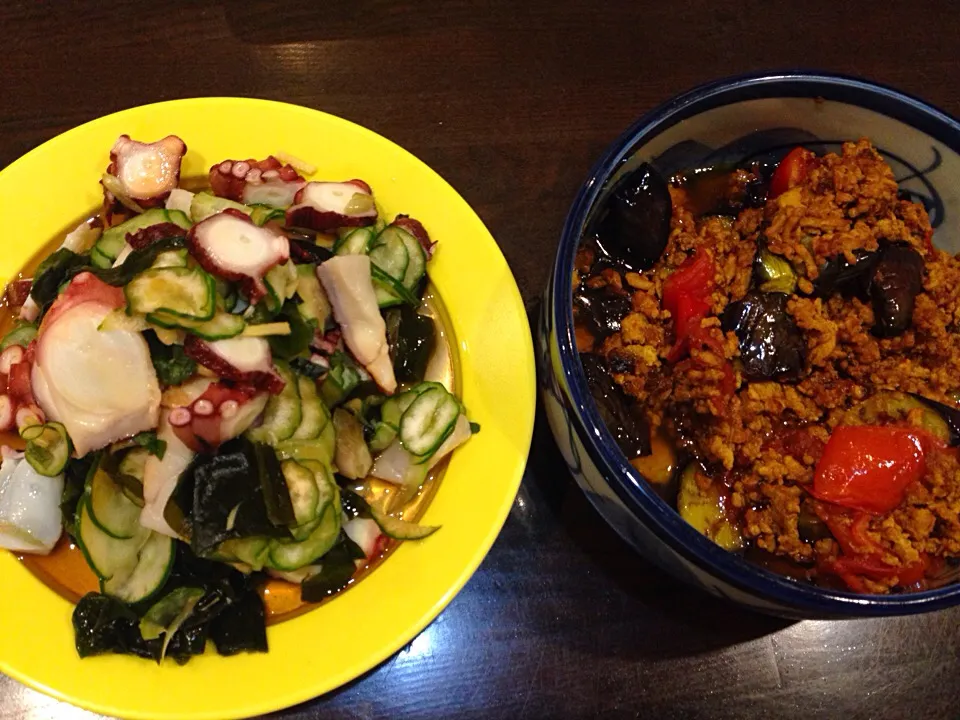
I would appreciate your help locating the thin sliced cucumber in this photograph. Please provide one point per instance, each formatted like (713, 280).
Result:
(428, 422)
(48, 447)
(352, 454)
(304, 493)
(417, 267)
(389, 253)
(252, 551)
(314, 414)
(185, 292)
(399, 529)
(283, 413)
(110, 508)
(220, 327)
(20, 335)
(111, 242)
(281, 282)
(205, 204)
(154, 563)
(286, 556)
(262, 214)
(390, 291)
(383, 435)
(355, 242)
(315, 305)
(172, 258)
(107, 556)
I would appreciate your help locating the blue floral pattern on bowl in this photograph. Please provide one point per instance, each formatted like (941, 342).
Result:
(730, 122)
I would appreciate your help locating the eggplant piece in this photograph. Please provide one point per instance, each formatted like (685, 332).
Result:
(600, 310)
(771, 344)
(633, 224)
(892, 406)
(623, 417)
(724, 190)
(840, 275)
(896, 281)
(949, 415)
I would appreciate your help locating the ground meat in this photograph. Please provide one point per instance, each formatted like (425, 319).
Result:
(763, 439)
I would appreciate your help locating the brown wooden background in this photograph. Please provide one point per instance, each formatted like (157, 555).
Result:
(511, 102)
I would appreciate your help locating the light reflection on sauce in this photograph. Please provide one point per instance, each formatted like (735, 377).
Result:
(65, 570)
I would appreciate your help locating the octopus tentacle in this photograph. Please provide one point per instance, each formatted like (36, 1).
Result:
(145, 173)
(232, 247)
(266, 182)
(324, 206)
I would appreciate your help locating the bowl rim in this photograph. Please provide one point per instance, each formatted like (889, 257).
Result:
(631, 488)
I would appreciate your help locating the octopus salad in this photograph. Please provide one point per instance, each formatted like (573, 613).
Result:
(219, 395)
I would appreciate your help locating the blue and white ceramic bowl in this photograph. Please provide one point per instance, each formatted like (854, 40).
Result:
(732, 121)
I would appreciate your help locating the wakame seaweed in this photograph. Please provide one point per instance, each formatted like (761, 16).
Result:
(228, 501)
(230, 613)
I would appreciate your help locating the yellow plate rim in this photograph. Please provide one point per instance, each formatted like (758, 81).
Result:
(498, 377)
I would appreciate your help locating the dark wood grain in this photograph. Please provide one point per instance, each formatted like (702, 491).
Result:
(512, 102)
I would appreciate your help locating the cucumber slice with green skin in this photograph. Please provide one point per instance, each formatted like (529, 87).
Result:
(383, 435)
(389, 253)
(262, 214)
(21, 335)
(281, 282)
(313, 413)
(153, 565)
(48, 447)
(356, 242)
(111, 242)
(205, 204)
(390, 291)
(183, 292)
(398, 529)
(394, 407)
(172, 258)
(287, 556)
(252, 551)
(304, 491)
(352, 455)
(428, 422)
(417, 267)
(107, 556)
(110, 509)
(315, 305)
(220, 327)
(283, 413)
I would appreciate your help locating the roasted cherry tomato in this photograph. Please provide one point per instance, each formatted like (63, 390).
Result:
(869, 467)
(791, 171)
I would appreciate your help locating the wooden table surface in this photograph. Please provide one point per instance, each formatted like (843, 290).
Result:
(511, 102)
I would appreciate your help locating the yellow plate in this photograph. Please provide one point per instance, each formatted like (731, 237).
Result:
(47, 189)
